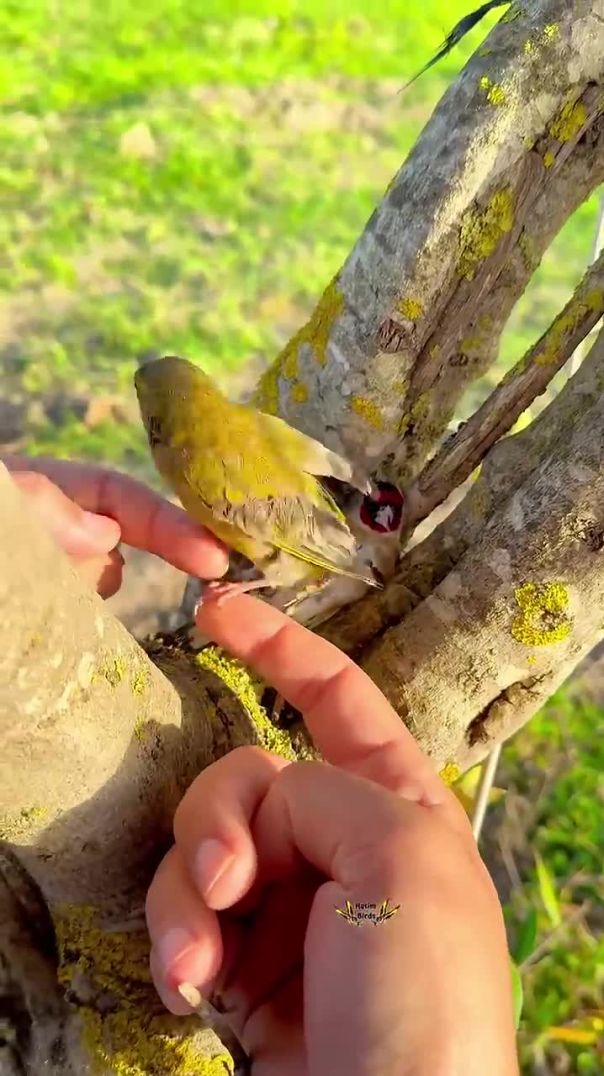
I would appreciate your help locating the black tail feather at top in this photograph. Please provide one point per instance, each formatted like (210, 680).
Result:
(456, 35)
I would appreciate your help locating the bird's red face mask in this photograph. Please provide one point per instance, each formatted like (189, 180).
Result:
(383, 512)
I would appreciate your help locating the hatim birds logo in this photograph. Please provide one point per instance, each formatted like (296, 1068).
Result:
(358, 914)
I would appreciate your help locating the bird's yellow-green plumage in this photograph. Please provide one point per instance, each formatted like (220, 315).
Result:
(248, 477)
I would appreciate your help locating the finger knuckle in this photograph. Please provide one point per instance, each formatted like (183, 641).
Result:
(208, 784)
(411, 839)
(245, 755)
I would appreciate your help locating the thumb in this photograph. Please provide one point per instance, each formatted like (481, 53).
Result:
(251, 815)
(79, 533)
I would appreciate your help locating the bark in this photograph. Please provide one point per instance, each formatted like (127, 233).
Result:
(478, 624)
(416, 311)
(460, 455)
(507, 466)
(98, 748)
(521, 607)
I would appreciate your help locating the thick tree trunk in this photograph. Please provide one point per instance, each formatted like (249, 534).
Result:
(97, 748)
(477, 625)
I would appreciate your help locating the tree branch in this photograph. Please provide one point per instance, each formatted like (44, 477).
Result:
(376, 363)
(64, 662)
(522, 606)
(508, 466)
(98, 749)
(529, 378)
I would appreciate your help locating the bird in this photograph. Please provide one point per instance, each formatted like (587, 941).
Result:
(251, 479)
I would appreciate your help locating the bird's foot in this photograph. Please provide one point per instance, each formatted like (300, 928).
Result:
(218, 591)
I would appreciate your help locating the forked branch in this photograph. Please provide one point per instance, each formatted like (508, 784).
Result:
(530, 377)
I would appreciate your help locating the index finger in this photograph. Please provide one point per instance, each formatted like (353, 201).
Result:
(147, 520)
(350, 721)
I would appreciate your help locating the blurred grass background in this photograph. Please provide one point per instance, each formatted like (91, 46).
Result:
(187, 178)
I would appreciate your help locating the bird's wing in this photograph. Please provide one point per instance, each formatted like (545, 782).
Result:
(313, 531)
(311, 456)
(309, 525)
(267, 492)
(318, 536)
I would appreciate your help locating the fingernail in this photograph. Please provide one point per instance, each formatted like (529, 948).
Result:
(212, 860)
(171, 947)
(191, 995)
(416, 793)
(101, 530)
(411, 792)
(433, 797)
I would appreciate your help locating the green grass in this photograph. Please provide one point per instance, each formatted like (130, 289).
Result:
(271, 132)
(188, 178)
(554, 807)
(90, 56)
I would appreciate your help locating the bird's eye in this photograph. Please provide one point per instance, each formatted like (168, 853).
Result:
(154, 430)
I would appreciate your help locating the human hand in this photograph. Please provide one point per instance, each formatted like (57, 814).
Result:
(89, 510)
(243, 905)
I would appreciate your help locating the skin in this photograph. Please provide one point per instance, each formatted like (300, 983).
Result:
(242, 906)
(90, 510)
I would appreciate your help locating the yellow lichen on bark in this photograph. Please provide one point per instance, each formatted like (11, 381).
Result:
(421, 407)
(542, 619)
(132, 1036)
(15, 827)
(495, 94)
(579, 309)
(132, 1047)
(139, 681)
(450, 773)
(117, 961)
(315, 334)
(299, 392)
(266, 395)
(417, 413)
(482, 230)
(569, 122)
(368, 410)
(289, 367)
(411, 308)
(247, 689)
(545, 37)
(139, 728)
(527, 247)
(478, 499)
